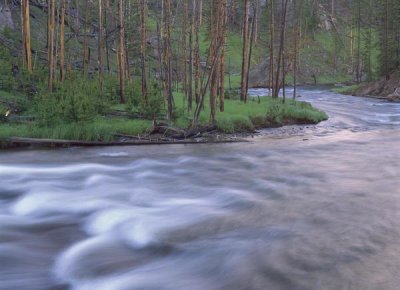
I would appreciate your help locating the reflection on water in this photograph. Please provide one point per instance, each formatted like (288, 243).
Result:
(314, 207)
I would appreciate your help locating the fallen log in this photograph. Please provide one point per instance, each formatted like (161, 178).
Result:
(177, 133)
(56, 143)
(142, 138)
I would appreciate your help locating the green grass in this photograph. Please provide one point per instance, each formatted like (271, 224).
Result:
(269, 112)
(238, 117)
(346, 89)
(6, 95)
(100, 129)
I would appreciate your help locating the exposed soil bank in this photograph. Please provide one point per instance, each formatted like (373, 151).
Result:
(388, 89)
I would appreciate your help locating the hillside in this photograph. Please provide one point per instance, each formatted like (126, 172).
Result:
(317, 50)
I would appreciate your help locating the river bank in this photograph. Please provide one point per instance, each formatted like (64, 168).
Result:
(237, 122)
(385, 89)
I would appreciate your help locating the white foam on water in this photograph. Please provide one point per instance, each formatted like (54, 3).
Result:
(68, 266)
(106, 220)
(138, 233)
(44, 203)
(114, 154)
(146, 163)
(99, 178)
(149, 174)
(54, 170)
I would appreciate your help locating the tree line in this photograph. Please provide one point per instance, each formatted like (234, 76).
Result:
(163, 41)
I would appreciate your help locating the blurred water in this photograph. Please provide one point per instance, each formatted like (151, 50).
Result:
(300, 207)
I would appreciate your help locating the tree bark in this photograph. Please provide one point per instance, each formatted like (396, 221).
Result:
(121, 54)
(281, 48)
(191, 55)
(272, 48)
(386, 41)
(224, 17)
(85, 40)
(251, 39)
(245, 52)
(50, 43)
(143, 44)
(184, 52)
(197, 85)
(167, 58)
(100, 45)
(62, 41)
(26, 28)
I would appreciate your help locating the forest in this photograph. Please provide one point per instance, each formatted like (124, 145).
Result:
(105, 70)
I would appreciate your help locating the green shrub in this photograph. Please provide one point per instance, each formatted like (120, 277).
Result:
(274, 111)
(111, 88)
(133, 96)
(232, 94)
(74, 101)
(150, 108)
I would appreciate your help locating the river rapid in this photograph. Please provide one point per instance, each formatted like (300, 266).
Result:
(299, 207)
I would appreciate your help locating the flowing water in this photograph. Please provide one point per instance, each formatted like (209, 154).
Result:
(300, 207)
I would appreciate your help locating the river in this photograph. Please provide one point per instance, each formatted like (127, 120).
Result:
(300, 207)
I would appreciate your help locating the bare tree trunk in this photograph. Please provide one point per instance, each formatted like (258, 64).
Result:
(214, 30)
(160, 46)
(191, 55)
(200, 104)
(68, 69)
(295, 52)
(281, 47)
(271, 53)
(167, 58)
(121, 53)
(100, 45)
(107, 34)
(23, 48)
(352, 49)
(358, 72)
(26, 28)
(245, 53)
(85, 40)
(250, 53)
(256, 25)
(50, 43)
(197, 85)
(56, 26)
(184, 52)
(224, 17)
(386, 41)
(143, 44)
(200, 12)
(62, 41)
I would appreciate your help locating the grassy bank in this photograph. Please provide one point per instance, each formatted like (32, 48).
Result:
(237, 118)
(347, 90)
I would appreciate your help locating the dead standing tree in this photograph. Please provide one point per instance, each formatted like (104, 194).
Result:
(245, 53)
(26, 31)
(121, 52)
(167, 58)
(50, 43)
(280, 60)
(143, 44)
